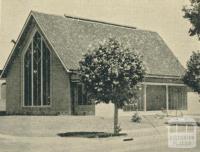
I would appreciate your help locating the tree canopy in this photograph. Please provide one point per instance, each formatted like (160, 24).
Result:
(110, 71)
(192, 75)
(192, 13)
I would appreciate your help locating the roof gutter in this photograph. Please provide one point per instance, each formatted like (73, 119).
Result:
(162, 76)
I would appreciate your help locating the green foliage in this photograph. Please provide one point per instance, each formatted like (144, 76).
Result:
(192, 13)
(110, 72)
(192, 75)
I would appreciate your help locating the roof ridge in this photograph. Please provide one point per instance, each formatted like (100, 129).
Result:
(93, 21)
(97, 21)
(87, 19)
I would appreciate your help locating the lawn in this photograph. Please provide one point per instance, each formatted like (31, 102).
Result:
(40, 133)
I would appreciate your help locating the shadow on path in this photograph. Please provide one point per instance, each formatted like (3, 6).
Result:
(90, 134)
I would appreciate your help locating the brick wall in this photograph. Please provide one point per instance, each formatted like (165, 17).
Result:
(14, 87)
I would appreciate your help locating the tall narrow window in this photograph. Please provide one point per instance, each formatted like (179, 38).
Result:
(37, 69)
(82, 95)
(37, 73)
(46, 75)
(28, 77)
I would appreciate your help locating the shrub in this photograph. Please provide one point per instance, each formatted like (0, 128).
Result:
(136, 118)
(118, 129)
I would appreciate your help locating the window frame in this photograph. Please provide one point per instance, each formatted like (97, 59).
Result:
(83, 93)
(28, 43)
(3, 85)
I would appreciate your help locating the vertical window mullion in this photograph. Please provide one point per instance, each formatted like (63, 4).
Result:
(46, 74)
(32, 72)
(41, 71)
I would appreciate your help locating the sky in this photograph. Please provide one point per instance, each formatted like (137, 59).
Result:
(162, 16)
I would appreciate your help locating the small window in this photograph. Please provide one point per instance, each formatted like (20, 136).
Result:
(82, 95)
(3, 91)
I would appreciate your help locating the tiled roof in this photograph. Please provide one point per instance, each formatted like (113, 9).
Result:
(70, 38)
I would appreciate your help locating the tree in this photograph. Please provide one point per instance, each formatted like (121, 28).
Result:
(192, 75)
(110, 72)
(192, 13)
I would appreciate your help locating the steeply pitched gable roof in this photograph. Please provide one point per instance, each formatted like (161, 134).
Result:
(70, 38)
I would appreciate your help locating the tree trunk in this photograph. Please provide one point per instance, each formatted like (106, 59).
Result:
(115, 118)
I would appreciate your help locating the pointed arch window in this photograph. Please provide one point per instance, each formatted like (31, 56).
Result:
(37, 73)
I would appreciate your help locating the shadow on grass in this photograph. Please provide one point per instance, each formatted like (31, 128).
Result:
(90, 134)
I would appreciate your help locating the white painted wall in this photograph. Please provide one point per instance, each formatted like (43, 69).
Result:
(107, 110)
(104, 110)
(193, 103)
